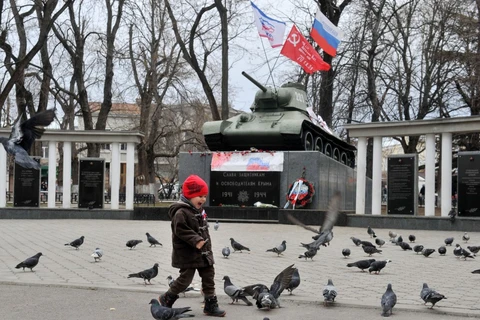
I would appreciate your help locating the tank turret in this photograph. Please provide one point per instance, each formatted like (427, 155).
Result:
(280, 120)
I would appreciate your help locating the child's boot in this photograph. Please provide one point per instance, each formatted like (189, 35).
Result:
(168, 299)
(211, 307)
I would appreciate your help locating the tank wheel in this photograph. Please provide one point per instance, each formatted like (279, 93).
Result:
(318, 144)
(307, 141)
(336, 154)
(328, 150)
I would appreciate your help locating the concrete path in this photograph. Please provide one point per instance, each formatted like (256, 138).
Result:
(63, 266)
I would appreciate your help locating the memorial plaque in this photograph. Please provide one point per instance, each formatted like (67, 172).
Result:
(26, 189)
(468, 184)
(402, 184)
(91, 183)
(234, 188)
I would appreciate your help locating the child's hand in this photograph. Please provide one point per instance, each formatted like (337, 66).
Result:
(200, 244)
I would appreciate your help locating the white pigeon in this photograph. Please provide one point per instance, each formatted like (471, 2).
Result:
(465, 237)
(216, 225)
(97, 254)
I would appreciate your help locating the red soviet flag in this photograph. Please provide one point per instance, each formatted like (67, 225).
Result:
(297, 48)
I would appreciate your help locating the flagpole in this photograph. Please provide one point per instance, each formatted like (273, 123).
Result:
(276, 60)
(268, 64)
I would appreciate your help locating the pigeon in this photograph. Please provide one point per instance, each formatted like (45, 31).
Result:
(449, 241)
(147, 274)
(371, 232)
(152, 240)
(309, 254)
(473, 249)
(346, 252)
(392, 234)
(329, 293)
(234, 292)
(295, 282)
(418, 248)
(97, 254)
(226, 252)
(133, 243)
(367, 243)
(457, 251)
(361, 264)
(24, 134)
(279, 249)
(405, 246)
(370, 250)
(377, 266)
(428, 252)
(237, 246)
(466, 254)
(164, 313)
(170, 281)
(476, 271)
(389, 300)
(397, 240)
(356, 241)
(76, 243)
(216, 225)
(268, 298)
(411, 238)
(442, 250)
(465, 237)
(29, 263)
(325, 233)
(379, 242)
(430, 295)
(452, 214)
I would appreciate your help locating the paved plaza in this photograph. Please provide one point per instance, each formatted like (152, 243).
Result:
(64, 266)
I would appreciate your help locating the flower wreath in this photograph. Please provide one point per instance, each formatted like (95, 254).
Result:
(300, 192)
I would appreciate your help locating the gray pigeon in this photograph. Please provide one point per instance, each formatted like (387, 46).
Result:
(405, 246)
(133, 243)
(309, 254)
(170, 283)
(237, 246)
(234, 292)
(226, 252)
(449, 241)
(367, 244)
(442, 250)
(29, 263)
(457, 251)
(97, 254)
(377, 266)
(329, 293)
(164, 313)
(412, 238)
(465, 237)
(379, 242)
(474, 249)
(429, 295)
(370, 250)
(389, 300)
(418, 248)
(216, 225)
(361, 264)
(152, 240)
(76, 243)
(279, 249)
(24, 134)
(356, 241)
(371, 232)
(392, 234)
(147, 274)
(295, 282)
(427, 252)
(346, 252)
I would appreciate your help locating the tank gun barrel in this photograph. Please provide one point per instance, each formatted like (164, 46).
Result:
(255, 82)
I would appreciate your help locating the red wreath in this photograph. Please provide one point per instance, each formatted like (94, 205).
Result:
(300, 193)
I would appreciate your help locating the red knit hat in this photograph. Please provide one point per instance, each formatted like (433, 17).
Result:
(194, 186)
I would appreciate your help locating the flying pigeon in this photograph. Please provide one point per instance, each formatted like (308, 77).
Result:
(216, 225)
(170, 281)
(152, 240)
(279, 249)
(346, 252)
(76, 243)
(234, 292)
(473, 249)
(309, 254)
(371, 232)
(418, 248)
(370, 250)
(428, 252)
(97, 254)
(329, 293)
(377, 266)
(295, 282)
(29, 263)
(361, 264)
(449, 241)
(268, 298)
(226, 252)
(379, 242)
(465, 237)
(237, 246)
(405, 246)
(442, 250)
(133, 243)
(164, 313)
(389, 300)
(147, 274)
(24, 134)
(430, 295)
(452, 214)
(411, 238)
(356, 241)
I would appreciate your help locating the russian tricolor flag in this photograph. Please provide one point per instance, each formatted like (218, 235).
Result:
(326, 34)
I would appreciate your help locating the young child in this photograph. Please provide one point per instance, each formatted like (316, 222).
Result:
(192, 247)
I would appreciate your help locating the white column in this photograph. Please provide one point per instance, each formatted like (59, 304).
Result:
(52, 172)
(377, 176)
(130, 176)
(115, 175)
(361, 175)
(446, 195)
(67, 174)
(3, 177)
(430, 175)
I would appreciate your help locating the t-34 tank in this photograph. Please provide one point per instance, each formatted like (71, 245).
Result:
(280, 120)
